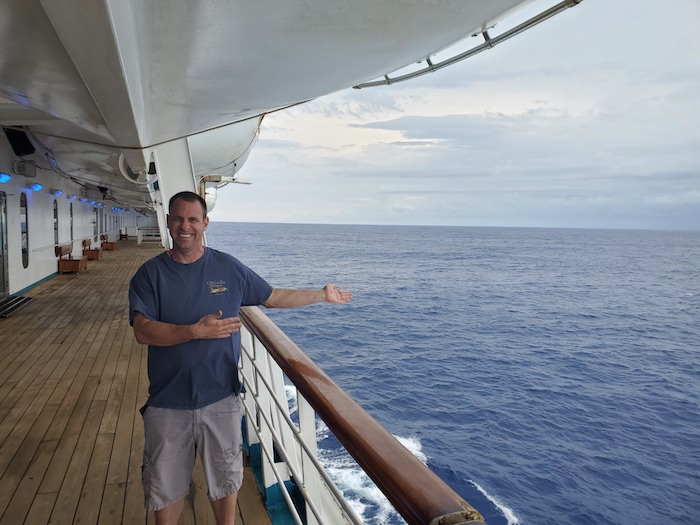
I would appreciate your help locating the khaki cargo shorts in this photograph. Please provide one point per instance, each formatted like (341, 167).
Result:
(174, 437)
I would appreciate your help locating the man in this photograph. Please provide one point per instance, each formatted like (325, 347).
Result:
(184, 305)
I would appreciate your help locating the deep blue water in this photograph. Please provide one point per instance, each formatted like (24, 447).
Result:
(549, 376)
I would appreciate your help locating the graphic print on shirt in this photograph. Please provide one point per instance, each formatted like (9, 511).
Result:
(217, 287)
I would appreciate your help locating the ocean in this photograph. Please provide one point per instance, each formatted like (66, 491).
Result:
(549, 376)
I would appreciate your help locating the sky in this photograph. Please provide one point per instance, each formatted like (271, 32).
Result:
(589, 120)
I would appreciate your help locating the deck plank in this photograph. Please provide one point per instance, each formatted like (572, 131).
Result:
(41, 508)
(32, 332)
(94, 486)
(23, 497)
(73, 482)
(134, 511)
(118, 468)
(23, 457)
(112, 508)
(68, 439)
(23, 424)
(72, 378)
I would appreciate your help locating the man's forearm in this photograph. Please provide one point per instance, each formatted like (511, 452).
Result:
(156, 333)
(283, 298)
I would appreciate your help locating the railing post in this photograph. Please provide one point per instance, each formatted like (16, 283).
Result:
(307, 428)
(248, 345)
(283, 430)
(265, 405)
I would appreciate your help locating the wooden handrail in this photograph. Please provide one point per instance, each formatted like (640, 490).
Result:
(417, 493)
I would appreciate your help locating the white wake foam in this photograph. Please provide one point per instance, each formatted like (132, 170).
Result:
(507, 512)
(291, 392)
(359, 490)
(414, 445)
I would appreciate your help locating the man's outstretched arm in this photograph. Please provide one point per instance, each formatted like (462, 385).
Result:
(283, 298)
(156, 333)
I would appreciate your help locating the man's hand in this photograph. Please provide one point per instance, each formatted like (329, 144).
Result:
(335, 295)
(156, 333)
(213, 327)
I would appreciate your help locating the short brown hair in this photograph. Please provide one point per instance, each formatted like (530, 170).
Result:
(188, 196)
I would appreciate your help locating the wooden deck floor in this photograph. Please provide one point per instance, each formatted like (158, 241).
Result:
(72, 377)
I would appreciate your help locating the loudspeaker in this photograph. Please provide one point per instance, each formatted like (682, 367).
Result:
(19, 142)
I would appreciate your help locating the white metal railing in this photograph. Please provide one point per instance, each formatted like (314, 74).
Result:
(147, 234)
(288, 451)
(269, 425)
(56, 245)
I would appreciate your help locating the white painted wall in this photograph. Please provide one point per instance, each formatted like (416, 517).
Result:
(40, 217)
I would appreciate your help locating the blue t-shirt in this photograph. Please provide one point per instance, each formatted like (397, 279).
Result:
(203, 371)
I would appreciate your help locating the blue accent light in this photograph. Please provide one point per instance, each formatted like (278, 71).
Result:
(57, 193)
(72, 197)
(36, 187)
(84, 199)
(4, 177)
(92, 202)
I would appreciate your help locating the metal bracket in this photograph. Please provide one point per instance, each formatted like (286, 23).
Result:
(489, 43)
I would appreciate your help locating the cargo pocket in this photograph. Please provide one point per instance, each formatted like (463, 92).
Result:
(233, 468)
(146, 476)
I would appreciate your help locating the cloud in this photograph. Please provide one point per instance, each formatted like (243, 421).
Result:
(277, 144)
(350, 105)
(588, 120)
(410, 143)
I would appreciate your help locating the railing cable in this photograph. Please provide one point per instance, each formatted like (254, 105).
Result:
(338, 495)
(275, 471)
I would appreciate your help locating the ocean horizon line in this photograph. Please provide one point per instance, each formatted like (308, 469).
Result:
(580, 228)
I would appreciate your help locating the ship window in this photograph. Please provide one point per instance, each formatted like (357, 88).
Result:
(24, 229)
(94, 223)
(71, 221)
(55, 223)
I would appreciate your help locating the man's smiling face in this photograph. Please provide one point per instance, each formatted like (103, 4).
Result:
(187, 224)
